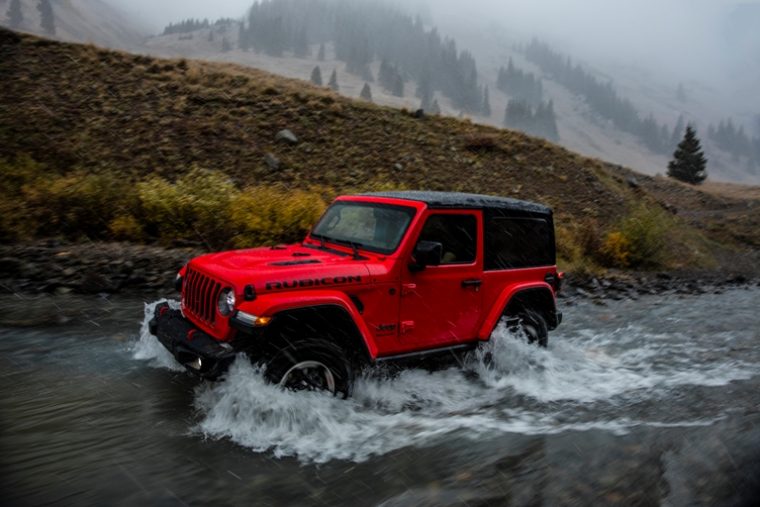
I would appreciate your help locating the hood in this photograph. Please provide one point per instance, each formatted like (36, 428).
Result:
(271, 269)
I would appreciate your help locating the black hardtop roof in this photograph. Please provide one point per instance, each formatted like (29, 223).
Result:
(463, 200)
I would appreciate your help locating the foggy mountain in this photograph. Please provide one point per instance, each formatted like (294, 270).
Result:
(89, 21)
(638, 72)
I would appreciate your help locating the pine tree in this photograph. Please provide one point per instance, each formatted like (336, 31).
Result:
(211, 35)
(226, 46)
(15, 16)
(321, 54)
(486, 103)
(398, 86)
(425, 91)
(678, 131)
(689, 163)
(435, 108)
(366, 92)
(316, 76)
(47, 16)
(333, 83)
(301, 45)
(244, 37)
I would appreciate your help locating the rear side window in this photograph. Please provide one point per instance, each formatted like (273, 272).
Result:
(518, 243)
(457, 233)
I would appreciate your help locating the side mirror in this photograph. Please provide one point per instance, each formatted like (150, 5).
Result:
(426, 253)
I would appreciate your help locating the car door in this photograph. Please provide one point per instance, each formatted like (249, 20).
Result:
(441, 305)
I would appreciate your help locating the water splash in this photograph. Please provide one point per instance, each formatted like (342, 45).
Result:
(148, 348)
(517, 388)
(594, 366)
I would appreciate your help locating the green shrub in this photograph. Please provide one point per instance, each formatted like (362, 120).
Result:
(77, 204)
(578, 244)
(640, 239)
(125, 228)
(269, 215)
(195, 208)
(617, 249)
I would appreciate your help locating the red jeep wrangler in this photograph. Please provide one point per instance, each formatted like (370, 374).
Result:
(381, 277)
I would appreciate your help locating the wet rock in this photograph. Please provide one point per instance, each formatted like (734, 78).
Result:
(286, 136)
(9, 265)
(398, 167)
(95, 283)
(419, 114)
(272, 162)
(632, 182)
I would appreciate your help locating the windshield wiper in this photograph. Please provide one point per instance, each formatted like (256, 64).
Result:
(355, 246)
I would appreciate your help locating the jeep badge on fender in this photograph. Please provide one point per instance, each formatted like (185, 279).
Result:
(382, 277)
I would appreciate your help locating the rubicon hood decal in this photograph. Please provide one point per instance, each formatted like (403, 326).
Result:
(314, 282)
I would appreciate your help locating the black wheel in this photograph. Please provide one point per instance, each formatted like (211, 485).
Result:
(532, 324)
(311, 365)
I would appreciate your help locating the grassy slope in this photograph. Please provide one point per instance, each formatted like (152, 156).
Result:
(70, 105)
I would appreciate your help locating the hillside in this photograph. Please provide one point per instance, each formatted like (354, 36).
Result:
(135, 116)
(643, 137)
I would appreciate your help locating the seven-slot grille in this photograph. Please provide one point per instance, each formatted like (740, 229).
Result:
(201, 293)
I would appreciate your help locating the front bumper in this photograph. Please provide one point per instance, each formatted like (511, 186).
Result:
(201, 354)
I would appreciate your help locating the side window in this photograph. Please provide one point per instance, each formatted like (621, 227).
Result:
(512, 243)
(457, 233)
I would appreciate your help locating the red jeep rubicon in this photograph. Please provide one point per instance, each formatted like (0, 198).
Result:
(381, 277)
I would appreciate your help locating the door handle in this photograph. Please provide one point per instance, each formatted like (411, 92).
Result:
(472, 282)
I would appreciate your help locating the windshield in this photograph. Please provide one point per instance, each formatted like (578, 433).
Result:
(373, 227)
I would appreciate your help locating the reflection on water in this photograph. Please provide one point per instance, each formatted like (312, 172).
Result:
(633, 402)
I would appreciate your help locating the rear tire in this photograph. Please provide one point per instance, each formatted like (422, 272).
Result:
(312, 365)
(533, 324)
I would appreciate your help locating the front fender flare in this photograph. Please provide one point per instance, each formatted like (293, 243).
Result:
(273, 304)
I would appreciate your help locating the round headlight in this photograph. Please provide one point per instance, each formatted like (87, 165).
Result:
(226, 302)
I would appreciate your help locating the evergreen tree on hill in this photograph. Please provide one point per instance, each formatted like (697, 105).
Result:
(47, 16)
(301, 45)
(244, 40)
(321, 54)
(15, 16)
(316, 76)
(366, 92)
(486, 103)
(689, 163)
(398, 86)
(333, 83)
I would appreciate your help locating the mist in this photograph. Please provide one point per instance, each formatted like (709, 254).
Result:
(686, 39)
(156, 15)
(704, 40)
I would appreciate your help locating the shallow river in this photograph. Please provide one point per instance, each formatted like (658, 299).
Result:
(648, 402)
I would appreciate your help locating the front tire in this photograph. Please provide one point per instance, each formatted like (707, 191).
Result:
(312, 365)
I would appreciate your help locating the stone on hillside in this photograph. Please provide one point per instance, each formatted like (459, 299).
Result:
(286, 136)
(272, 161)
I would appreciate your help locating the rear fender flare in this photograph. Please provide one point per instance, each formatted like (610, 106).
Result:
(500, 305)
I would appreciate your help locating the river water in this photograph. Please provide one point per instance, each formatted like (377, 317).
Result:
(646, 402)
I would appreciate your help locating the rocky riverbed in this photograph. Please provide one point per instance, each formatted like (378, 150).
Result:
(53, 267)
